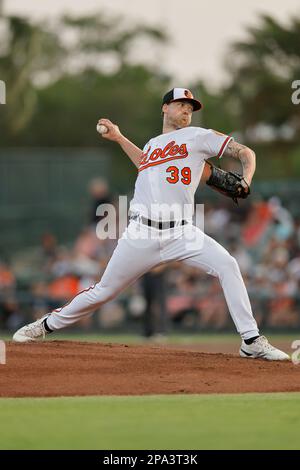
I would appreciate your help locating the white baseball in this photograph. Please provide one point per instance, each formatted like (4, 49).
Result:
(101, 129)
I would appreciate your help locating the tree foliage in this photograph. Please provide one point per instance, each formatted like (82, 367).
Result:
(62, 77)
(263, 68)
(26, 50)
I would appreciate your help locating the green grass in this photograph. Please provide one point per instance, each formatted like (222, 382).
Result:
(249, 421)
(174, 338)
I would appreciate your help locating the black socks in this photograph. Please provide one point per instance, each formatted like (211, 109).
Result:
(47, 327)
(250, 340)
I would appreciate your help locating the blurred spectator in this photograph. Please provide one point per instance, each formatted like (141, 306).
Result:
(87, 243)
(154, 290)
(212, 307)
(98, 189)
(49, 246)
(283, 221)
(7, 278)
(257, 223)
(11, 316)
(63, 288)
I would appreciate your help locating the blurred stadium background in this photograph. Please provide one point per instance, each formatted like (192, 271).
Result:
(62, 75)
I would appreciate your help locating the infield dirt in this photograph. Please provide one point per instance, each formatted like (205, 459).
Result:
(68, 368)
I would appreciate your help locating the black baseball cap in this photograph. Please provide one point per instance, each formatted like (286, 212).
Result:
(178, 94)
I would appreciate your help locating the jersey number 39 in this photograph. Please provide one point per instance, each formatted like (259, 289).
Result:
(184, 176)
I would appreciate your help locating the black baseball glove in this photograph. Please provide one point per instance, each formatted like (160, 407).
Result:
(228, 183)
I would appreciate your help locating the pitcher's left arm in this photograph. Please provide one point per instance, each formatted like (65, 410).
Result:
(241, 152)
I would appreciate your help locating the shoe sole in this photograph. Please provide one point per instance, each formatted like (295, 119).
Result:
(246, 355)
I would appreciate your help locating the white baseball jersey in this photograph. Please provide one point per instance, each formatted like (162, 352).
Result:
(171, 168)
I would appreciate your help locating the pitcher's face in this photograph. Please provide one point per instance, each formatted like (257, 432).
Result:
(178, 113)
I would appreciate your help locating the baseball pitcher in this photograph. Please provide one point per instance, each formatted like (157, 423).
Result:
(170, 167)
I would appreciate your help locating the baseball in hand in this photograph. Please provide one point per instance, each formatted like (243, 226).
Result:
(101, 129)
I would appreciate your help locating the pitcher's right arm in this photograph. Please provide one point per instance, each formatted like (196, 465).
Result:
(114, 134)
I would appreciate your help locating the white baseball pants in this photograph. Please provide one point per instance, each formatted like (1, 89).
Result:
(140, 249)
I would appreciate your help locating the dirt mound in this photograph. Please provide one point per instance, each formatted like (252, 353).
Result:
(67, 368)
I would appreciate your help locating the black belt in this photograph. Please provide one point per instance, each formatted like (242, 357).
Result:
(158, 224)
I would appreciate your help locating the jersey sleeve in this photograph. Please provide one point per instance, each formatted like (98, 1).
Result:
(214, 143)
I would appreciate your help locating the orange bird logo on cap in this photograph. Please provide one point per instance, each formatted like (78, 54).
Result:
(188, 94)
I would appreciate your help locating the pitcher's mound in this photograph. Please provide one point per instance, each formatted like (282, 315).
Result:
(67, 368)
